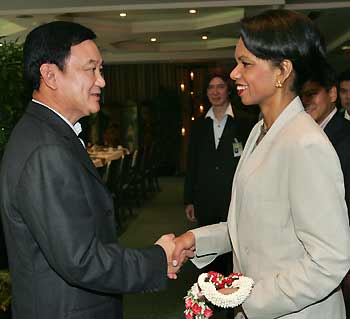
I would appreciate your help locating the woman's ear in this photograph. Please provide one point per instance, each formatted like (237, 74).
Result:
(286, 67)
(48, 75)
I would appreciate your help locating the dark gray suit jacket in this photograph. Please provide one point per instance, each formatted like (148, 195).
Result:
(60, 230)
(338, 132)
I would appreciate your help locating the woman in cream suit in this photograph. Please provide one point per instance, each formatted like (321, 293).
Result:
(287, 225)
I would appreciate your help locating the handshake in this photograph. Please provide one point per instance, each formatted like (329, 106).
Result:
(178, 250)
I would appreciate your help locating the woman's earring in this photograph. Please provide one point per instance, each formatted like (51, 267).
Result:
(278, 84)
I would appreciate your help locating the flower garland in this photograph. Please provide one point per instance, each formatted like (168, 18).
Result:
(206, 289)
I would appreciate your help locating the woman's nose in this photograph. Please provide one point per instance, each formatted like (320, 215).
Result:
(235, 74)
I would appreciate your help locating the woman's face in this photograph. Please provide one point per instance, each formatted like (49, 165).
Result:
(255, 78)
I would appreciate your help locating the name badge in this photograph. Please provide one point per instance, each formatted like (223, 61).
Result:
(237, 148)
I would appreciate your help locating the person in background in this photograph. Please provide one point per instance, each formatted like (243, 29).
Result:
(319, 95)
(111, 135)
(57, 214)
(344, 93)
(288, 227)
(215, 146)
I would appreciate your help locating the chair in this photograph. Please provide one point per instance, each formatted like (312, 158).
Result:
(152, 169)
(112, 179)
(131, 185)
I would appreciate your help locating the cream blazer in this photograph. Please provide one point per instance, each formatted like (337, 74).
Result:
(288, 225)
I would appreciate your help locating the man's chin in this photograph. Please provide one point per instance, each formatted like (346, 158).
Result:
(96, 108)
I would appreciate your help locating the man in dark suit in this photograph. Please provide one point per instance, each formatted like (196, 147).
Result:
(58, 218)
(344, 93)
(215, 145)
(319, 96)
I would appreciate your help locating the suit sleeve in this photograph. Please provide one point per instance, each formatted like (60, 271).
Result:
(191, 169)
(211, 241)
(318, 211)
(54, 203)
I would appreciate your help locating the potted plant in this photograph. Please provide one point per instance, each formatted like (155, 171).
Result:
(13, 91)
(13, 96)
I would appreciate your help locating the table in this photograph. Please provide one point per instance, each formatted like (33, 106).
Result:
(102, 156)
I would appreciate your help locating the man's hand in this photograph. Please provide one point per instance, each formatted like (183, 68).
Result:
(184, 249)
(189, 210)
(168, 244)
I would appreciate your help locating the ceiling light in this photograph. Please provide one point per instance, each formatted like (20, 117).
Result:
(192, 11)
(204, 37)
(122, 14)
(345, 47)
(24, 16)
(1, 44)
(153, 39)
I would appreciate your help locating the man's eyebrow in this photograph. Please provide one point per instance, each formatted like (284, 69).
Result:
(93, 62)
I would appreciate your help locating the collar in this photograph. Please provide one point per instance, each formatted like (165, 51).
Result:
(228, 111)
(346, 115)
(328, 118)
(76, 127)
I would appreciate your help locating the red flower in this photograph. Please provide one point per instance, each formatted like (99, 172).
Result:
(189, 315)
(213, 273)
(188, 303)
(220, 285)
(229, 281)
(196, 308)
(207, 313)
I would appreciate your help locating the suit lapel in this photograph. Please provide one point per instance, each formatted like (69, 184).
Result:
(209, 132)
(336, 128)
(54, 122)
(254, 157)
(229, 127)
(235, 202)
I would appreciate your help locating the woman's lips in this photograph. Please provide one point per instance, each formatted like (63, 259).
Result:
(241, 89)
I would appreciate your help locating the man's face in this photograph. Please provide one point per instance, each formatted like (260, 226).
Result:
(317, 101)
(344, 94)
(217, 92)
(79, 84)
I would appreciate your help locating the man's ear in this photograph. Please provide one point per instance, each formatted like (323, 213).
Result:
(333, 94)
(48, 75)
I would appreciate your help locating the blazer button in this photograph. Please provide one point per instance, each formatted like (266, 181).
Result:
(109, 211)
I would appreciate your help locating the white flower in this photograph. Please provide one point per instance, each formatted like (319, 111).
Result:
(208, 289)
(205, 289)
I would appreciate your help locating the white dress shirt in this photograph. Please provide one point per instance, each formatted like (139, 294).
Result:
(218, 126)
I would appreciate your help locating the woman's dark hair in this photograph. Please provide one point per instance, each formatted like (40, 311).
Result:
(51, 43)
(225, 76)
(276, 35)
